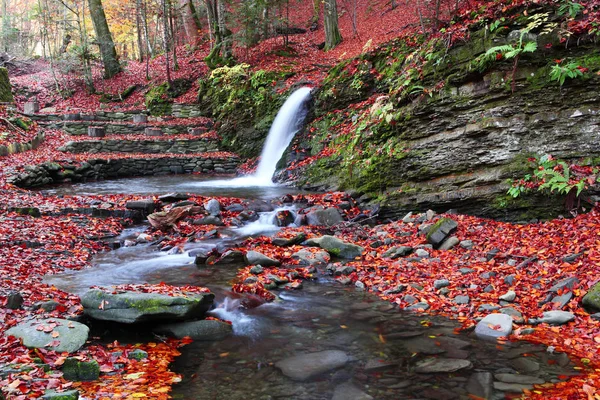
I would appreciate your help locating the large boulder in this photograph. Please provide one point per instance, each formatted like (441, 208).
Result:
(305, 366)
(55, 334)
(133, 307)
(197, 330)
(213, 207)
(337, 247)
(328, 217)
(439, 232)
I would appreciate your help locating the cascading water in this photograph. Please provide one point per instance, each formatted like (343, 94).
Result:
(287, 123)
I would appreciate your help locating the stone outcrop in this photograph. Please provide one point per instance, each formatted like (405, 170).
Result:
(51, 334)
(179, 146)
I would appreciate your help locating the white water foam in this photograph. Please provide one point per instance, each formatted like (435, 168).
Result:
(287, 123)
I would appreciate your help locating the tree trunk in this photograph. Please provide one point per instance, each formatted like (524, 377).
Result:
(166, 39)
(105, 41)
(139, 29)
(189, 22)
(221, 48)
(330, 18)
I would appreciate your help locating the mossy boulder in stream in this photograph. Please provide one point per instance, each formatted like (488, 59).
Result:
(592, 299)
(132, 307)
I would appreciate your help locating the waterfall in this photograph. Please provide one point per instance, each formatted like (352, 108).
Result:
(287, 123)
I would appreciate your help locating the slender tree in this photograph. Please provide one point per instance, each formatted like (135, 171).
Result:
(220, 35)
(330, 18)
(165, 10)
(189, 21)
(104, 38)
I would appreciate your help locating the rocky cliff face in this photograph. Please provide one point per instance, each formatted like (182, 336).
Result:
(457, 147)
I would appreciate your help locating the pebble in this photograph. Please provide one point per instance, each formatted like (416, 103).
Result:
(462, 299)
(440, 283)
(509, 296)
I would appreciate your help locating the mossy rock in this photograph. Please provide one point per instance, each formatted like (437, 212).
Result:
(75, 370)
(159, 99)
(6, 95)
(592, 299)
(67, 395)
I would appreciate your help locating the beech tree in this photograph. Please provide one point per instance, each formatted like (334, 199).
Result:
(189, 20)
(104, 39)
(333, 36)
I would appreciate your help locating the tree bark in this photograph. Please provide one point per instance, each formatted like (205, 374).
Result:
(166, 39)
(189, 22)
(330, 18)
(105, 41)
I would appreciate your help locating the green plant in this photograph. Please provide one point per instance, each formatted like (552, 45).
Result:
(555, 177)
(560, 73)
(570, 7)
(496, 24)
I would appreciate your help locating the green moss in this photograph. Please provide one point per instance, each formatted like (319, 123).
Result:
(75, 370)
(436, 226)
(159, 99)
(6, 95)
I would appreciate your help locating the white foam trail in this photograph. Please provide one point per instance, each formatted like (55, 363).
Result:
(265, 222)
(242, 324)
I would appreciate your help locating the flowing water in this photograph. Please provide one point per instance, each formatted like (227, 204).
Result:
(382, 343)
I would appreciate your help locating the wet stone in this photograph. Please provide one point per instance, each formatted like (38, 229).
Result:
(554, 318)
(509, 296)
(494, 326)
(305, 366)
(568, 283)
(525, 365)
(480, 384)
(562, 300)
(511, 387)
(418, 307)
(440, 283)
(462, 300)
(516, 315)
(518, 378)
(440, 365)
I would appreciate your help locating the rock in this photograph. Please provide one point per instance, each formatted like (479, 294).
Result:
(518, 378)
(554, 318)
(231, 257)
(509, 280)
(509, 296)
(213, 207)
(494, 326)
(305, 366)
(449, 243)
(396, 252)
(71, 335)
(441, 365)
(200, 256)
(348, 391)
(257, 270)
(422, 253)
(511, 387)
(408, 218)
(308, 257)
(466, 244)
(327, 217)
(254, 257)
(284, 218)
(397, 289)
(344, 270)
(208, 220)
(132, 307)
(197, 330)
(562, 300)
(592, 298)
(465, 270)
(440, 231)
(480, 384)
(339, 248)
(49, 305)
(14, 301)
(235, 207)
(359, 285)
(66, 395)
(418, 307)
(137, 354)
(441, 283)
(568, 283)
(145, 206)
(282, 242)
(525, 364)
(378, 365)
(516, 315)
(75, 370)
(173, 197)
(462, 300)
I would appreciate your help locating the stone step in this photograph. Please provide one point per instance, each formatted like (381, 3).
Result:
(160, 145)
(105, 166)
(80, 128)
(49, 114)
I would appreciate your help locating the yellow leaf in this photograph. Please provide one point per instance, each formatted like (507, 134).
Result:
(138, 395)
(343, 327)
(133, 376)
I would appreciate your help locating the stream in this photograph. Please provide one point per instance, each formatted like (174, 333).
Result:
(382, 343)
